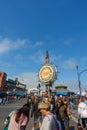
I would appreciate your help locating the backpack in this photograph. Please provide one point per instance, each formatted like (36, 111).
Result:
(32, 99)
(8, 120)
(79, 126)
(58, 124)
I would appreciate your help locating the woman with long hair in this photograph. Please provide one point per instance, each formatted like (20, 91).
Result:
(19, 119)
(61, 114)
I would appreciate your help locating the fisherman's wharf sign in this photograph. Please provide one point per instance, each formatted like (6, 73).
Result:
(47, 73)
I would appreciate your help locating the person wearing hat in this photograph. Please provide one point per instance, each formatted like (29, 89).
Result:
(49, 120)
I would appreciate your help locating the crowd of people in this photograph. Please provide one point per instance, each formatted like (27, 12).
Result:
(49, 112)
(8, 96)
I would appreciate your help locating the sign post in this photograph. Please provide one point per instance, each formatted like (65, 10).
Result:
(47, 73)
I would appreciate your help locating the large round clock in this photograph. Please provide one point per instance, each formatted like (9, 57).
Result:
(46, 73)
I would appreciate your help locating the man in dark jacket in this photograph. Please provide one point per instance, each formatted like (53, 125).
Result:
(35, 112)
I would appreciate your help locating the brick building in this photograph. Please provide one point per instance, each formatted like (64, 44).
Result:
(3, 77)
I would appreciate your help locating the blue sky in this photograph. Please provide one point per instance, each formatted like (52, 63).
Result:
(30, 27)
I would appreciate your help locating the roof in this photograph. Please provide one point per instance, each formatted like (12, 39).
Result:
(62, 88)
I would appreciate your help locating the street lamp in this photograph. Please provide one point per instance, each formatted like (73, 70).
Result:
(78, 74)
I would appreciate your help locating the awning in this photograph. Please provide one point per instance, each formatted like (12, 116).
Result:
(62, 93)
(2, 94)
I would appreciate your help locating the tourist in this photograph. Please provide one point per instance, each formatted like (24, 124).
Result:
(19, 119)
(61, 114)
(49, 120)
(35, 113)
(52, 104)
(71, 102)
(82, 111)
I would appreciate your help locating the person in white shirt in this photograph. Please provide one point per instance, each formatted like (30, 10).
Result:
(82, 111)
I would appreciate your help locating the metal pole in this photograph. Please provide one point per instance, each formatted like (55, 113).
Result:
(78, 74)
(79, 82)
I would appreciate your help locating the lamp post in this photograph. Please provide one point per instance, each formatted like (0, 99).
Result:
(79, 82)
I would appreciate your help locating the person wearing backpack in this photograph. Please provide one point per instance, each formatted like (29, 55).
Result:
(49, 121)
(19, 119)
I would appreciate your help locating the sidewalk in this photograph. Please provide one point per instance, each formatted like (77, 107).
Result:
(74, 117)
(30, 124)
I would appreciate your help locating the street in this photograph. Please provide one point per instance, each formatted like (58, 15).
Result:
(6, 109)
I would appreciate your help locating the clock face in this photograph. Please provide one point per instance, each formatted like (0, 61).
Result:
(46, 73)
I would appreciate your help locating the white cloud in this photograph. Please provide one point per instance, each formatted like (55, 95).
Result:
(55, 58)
(38, 57)
(71, 84)
(8, 45)
(84, 59)
(19, 42)
(5, 45)
(4, 65)
(28, 78)
(37, 44)
(69, 64)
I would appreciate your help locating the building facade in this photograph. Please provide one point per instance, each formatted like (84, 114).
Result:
(62, 90)
(3, 77)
